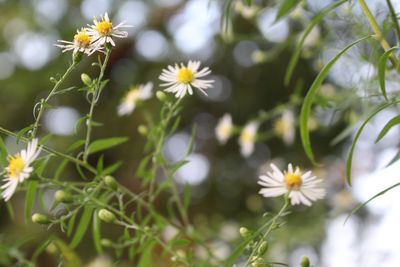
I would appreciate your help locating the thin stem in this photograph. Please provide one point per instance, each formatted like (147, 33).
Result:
(93, 102)
(43, 102)
(375, 27)
(394, 19)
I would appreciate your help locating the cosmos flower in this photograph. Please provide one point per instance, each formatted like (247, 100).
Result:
(82, 43)
(103, 31)
(133, 97)
(302, 188)
(248, 138)
(224, 129)
(19, 168)
(181, 80)
(284, 127)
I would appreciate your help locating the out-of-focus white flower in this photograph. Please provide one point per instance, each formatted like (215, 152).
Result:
(82, 43)
(313, 38)
(247, 11)
(170, 232)
(133, 97)
(248, 137)
(284, 127)
(224, 129)
(100, 262)
(103, 31)
(19, 168)
(303, 188)
(180, 79)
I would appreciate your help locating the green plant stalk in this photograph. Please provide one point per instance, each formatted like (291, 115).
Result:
(272, 226)
(375, 27)
(52, 92)
(394, 19)
(93, 102)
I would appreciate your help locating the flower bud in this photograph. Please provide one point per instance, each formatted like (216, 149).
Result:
(106, 243)
(244, 232)
(110, 182)
(63, 197)
(76, 57)
(86, 79)
(161, 96)
(262, 248)
(305, 261)
(142, 129)
(106, 216)
(40, 218)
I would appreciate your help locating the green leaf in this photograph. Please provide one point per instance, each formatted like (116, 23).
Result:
(76, 145)
(382, 69)
(297, 52)
(30, 199)
(393, 122)
(3, 153)
(23, 132)
(286, 7)
(146, 258)
(71, 224)
(103, 144)
(110, 169)
(96, 226)
(349, 161)
(10, 210)
(309, 99)
(82, 226)
(60, 169)
(79, 123)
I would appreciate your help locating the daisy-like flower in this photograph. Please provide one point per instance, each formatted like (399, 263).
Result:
(284, 127)
(180, 80)
(133, 97)
(103, 31)
(82, 43)
(302, 188)
(19, 169)
(224, 129)
(248, 138)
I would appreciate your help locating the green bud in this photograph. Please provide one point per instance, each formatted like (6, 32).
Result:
(257, 262)
(161, 96)
(262, 248)
(244, 232)
(106, 216)
(305, 261)
(106, 243)
(76, 57)
(142, 129)
(40, 218)
(86, 79)
(108, 46)
(63, 197)
(111, 182)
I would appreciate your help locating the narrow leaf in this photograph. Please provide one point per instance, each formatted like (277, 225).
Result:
(96, 233)
(103, 144)
(82, 226)
(30, 199)
(393, 122)
(382, 69)
(286, 7)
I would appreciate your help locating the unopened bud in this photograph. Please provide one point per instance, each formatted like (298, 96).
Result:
(77, 56)
(106, 243)
(86, 79)
(142, 129)
(40, 218)
(262, 248)
(110, 182)
(305, 261)
(106, 216)
(244, 232)
(63, 197)
(161, 96)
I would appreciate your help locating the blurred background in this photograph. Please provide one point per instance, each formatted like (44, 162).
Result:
(249, 62)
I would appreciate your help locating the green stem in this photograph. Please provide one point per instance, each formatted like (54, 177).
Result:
(94, 99)
(43, 102)
(375, 27)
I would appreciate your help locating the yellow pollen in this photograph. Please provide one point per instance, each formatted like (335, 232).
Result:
(281, 127)
(104, 27)
(132, 95)
(292, 181)
(185, 75)
(226, 129)
(15, 166)
(247, 137)
(82, 39)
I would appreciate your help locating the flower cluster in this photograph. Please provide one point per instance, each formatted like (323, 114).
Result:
(95, 37)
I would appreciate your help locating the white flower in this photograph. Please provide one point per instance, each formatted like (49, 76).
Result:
(303, 188)
(133, 97)
(19, 169)
(248, 138)
(284, 127)
(103, 31)
(82, 43)
(224, 128)
(181, 79)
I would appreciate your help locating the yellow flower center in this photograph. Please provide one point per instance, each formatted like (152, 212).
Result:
(133, 95)
(292, 181)
(82, 39)
(104, 27)
(15, 166)
(226, 129)
(185, 75)
(247, 137)
(281, 127)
